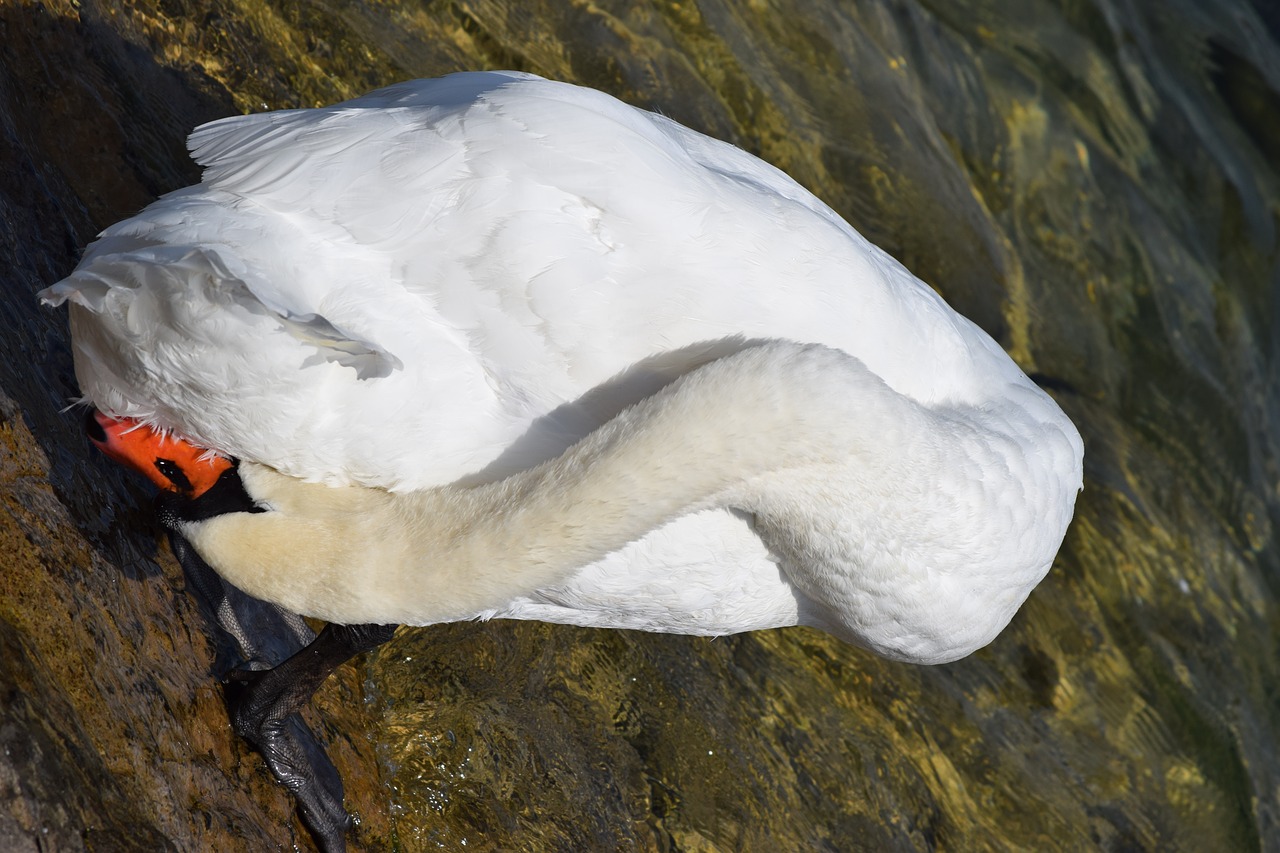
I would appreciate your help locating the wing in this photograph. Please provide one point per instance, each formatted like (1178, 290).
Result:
(459, 260)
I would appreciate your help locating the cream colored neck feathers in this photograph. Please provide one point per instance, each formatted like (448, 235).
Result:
(711, 438)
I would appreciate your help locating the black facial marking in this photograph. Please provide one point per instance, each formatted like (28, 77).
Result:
(93, 429)
(173, 472)
(226, 495)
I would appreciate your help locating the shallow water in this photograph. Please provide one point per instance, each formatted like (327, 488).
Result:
(1093, 182)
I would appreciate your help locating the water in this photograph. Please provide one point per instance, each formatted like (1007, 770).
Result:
(1092, 182)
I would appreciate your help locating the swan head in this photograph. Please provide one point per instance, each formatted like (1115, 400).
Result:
(172, 463)
(274, 537)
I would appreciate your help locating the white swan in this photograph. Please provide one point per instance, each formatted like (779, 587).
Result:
(425, 296)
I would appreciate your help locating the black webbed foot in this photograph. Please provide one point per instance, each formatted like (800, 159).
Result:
(297, 761)
(264, 705)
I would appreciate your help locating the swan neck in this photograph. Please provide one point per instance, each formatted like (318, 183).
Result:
(716, 437)
(703, 441)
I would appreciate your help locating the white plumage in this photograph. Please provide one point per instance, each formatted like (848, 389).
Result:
(450, 281)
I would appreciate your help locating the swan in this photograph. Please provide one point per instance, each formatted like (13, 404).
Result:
(492, 346)
(791, 434)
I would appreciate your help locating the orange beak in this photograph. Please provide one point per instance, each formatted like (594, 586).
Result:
(170, 462)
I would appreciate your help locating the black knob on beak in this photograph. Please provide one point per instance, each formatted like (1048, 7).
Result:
(93, 429)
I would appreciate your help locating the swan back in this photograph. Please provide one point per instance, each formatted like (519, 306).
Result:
(461, 258)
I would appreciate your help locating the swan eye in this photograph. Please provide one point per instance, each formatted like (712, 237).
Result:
(173, 472)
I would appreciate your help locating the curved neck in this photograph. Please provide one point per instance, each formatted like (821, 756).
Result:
(362, 555)
(699, 442)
